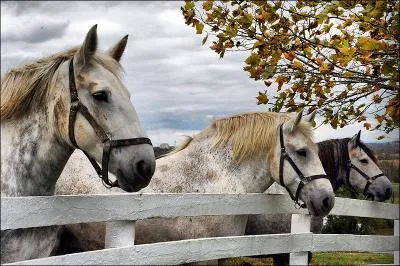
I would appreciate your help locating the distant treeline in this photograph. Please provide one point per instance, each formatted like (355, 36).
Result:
(160, 151)
(388, 156)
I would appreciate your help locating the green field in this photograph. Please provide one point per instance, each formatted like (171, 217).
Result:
(326, 258)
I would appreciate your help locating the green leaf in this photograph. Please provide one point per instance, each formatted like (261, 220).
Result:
(207, 5)
(199, 28)
(204, 40)
(253, 59)
(262, 98)
(269, 72)
(189, 5)
(387, 68)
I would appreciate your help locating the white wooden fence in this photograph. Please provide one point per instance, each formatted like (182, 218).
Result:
(121, 210)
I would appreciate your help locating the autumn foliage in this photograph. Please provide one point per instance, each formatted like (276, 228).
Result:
(340, 58)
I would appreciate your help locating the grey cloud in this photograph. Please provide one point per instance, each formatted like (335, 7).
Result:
(36, 32)
(176, 83)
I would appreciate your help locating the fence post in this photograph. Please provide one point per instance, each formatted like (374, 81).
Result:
(120, 234)
(396, 254)
(300, 224)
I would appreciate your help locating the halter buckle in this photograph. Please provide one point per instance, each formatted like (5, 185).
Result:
(297, 205)
(75, 103)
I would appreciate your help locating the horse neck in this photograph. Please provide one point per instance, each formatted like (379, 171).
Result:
(334, 156)
(32, 157)
(201, 168)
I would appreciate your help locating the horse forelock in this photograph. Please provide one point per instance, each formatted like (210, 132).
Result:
(25, 89)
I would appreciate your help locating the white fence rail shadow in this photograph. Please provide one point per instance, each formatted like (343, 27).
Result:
(121, 211)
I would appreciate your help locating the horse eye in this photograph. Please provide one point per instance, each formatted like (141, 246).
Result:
(364, 161)
(100, 96)
(302, 152)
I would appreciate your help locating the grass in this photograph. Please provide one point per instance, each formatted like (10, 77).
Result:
(351, 258)
(325, 258)
(396, 193)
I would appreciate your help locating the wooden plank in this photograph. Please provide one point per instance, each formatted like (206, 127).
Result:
(119, 234)
(347, 242)
(365, 208)
(23, 212)
(184, 251)
(300, 223)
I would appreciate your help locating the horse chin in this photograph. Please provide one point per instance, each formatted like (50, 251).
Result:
(129, 186)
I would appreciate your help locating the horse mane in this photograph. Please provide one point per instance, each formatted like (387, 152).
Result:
(251, 134)
(334, 155)
(25, 89)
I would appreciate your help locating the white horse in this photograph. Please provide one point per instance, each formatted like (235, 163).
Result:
(73, 99)
(348, 163)
(237, 154)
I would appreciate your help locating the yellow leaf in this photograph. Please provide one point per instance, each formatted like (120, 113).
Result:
(345, 50)
(253, 59)
(376, 98)
(369, 44)
(207, 5)
(334, 123)
(199, 28)
(380, 118)
(367, 126)
(280, 80)
(324, 68)
(262, 98)
(297, 64)
(258, 43)
(348, 74)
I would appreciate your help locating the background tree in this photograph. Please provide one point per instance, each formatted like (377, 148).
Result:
(340, 58)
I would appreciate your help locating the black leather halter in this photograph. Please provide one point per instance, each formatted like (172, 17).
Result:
(350, 166)
(108, 144)
(303, 180)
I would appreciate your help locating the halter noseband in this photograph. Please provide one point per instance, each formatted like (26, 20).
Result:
(308, 179)
(108, 144)
(350, 165)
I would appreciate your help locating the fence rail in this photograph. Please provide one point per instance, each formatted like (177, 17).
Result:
(23, 212)
(121, 210)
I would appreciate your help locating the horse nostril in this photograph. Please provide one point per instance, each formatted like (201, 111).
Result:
(145, 170)
(388, 191)
(326, 203)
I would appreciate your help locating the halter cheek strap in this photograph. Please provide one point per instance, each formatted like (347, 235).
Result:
(108, 144)
(350, 166)
(303, 180)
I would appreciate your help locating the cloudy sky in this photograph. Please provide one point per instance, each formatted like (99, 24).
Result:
(177, 84)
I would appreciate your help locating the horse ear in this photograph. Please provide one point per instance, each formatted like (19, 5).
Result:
(88, 47)
(310, 117)
(292, 123)
(355, 140)
(117, 50)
